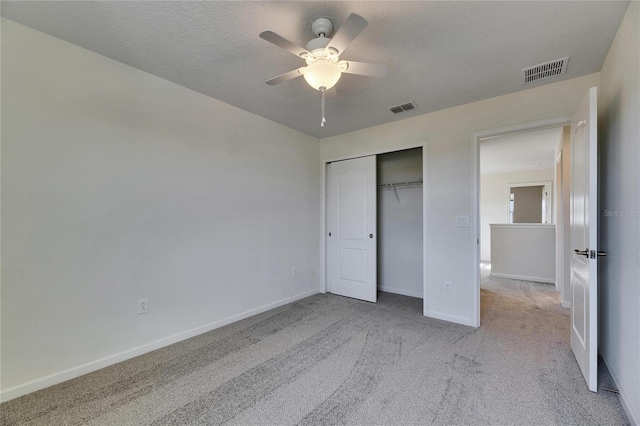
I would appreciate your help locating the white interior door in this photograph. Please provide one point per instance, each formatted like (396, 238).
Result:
(584, 238)
(351, 227)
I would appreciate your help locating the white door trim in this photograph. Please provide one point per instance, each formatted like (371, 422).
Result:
(476, 138)
(323, 288)
(559, 209)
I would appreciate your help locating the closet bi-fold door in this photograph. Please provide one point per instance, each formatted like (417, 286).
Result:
(351, 228)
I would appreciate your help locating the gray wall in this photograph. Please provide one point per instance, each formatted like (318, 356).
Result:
(527, 202)
(619, 109)
(119, 185)
(400, 257)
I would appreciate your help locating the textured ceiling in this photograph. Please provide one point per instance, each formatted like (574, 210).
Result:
(519, 151)
(440, 54)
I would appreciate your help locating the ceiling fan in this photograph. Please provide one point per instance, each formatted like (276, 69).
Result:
(322, 55)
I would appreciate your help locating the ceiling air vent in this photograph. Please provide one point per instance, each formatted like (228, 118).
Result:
(546, 70)
(404, 107)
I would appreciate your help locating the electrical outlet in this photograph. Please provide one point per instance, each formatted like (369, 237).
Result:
(462, 221)
(143, 306)
(294, 271)
(447, 286)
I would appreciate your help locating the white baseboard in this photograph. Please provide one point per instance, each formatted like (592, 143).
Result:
(72, 373)
(451, 318)
(524, 278)
(401, 291)
(634, 418)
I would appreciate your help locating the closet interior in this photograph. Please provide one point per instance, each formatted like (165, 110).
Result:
(400, 222)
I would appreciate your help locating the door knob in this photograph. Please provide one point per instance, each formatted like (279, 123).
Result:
(584, 253)
(370, 235)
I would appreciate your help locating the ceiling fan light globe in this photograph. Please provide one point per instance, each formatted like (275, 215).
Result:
(322, 73)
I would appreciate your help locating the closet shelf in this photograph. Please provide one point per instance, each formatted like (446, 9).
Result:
(396, 184)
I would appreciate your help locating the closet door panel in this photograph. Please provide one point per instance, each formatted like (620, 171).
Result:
(351, 223)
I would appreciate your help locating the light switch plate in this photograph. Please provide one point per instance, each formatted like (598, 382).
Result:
(462, 221)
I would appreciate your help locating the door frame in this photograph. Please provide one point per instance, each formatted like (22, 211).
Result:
(324, 287)
(476, 138)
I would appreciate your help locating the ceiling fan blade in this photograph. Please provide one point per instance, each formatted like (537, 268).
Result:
(363, 68)
(283, 43)
(347, 33)
(286, 76)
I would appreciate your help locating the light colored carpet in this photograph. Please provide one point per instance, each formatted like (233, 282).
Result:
(329, 360)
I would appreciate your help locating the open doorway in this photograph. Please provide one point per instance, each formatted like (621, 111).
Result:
(518, 157)
(579, 143)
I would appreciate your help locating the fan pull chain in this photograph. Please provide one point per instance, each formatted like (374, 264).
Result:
(324, 120)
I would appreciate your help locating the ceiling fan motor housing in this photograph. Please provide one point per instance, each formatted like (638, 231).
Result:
(322, 27)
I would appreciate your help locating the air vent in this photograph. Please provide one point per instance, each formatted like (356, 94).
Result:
(404, 107)
(546, 70)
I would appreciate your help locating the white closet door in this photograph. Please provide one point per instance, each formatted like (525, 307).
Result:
(351, 220)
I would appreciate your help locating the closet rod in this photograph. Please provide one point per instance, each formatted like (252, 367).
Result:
(389, 185)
